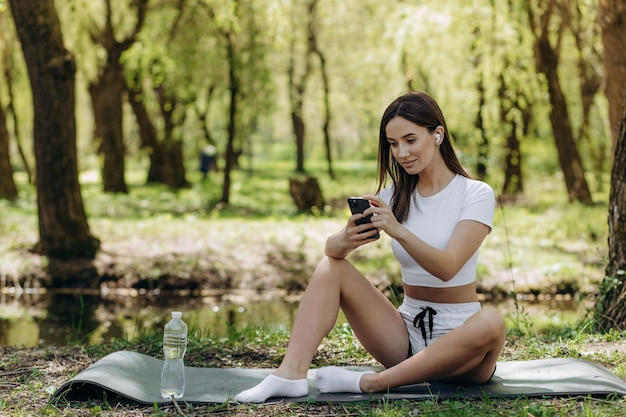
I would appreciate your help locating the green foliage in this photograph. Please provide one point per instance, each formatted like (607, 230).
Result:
(608, 289)
(431, 45)
(520, 323)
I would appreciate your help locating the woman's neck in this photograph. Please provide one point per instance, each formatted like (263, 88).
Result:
(429, 185)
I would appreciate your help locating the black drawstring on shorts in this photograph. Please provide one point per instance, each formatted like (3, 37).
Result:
(418, 321)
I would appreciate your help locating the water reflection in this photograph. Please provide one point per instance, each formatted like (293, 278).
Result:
(67, 318)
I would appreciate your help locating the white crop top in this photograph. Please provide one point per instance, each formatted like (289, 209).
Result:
(434, 219)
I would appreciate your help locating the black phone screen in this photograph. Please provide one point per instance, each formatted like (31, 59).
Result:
(359, 205)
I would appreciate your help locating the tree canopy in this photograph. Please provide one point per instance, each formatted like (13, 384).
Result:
(179, 58)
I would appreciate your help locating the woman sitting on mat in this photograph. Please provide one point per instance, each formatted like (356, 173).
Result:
(437, 218)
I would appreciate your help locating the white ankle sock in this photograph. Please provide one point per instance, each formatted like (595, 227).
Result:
(274, 386)
(335, 379)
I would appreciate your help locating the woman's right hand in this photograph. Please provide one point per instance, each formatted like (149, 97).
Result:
(340, 244)
(360, 234)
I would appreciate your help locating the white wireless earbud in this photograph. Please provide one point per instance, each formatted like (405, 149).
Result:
(437, 138)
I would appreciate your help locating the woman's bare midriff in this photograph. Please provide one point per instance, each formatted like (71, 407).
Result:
(462, 294)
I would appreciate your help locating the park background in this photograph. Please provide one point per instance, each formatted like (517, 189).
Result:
(288, 94)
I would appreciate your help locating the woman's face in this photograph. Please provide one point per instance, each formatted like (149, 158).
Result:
(412, 146)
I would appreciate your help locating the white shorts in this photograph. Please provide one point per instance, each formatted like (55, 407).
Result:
(426, 321)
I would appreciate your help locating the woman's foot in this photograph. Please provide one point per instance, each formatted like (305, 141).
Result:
(274, 386)
(335, 379)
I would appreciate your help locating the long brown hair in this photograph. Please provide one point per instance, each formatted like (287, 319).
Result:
(421, 109)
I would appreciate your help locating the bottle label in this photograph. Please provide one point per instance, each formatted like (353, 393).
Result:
(174, 347)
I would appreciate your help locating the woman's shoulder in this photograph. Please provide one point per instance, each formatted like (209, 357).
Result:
(477, 188)
(474, 184)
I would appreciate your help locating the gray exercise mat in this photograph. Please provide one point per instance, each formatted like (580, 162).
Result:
(136, 377)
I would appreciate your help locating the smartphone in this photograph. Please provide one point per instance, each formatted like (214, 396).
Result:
(359, 205)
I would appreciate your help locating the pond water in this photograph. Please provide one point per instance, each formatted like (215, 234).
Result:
(64, 317)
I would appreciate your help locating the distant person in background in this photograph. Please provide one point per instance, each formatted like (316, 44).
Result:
(437, 218)
(207, 159)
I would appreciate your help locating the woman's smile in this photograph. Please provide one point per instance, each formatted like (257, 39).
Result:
(409, 164)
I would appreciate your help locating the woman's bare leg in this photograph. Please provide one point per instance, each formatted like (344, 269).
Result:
(335, 284)
(467, 354)
(376, 322)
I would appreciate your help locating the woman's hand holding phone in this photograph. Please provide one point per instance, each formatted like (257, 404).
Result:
(357, 206)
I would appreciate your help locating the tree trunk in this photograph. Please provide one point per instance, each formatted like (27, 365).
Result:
(172, 149)
(8, 190)
(10, 109)
(611, 305)
(147, 134)
(314, 48)
(63, 229)
(232, 119)
(613, 22)
(107, 97)
(203, 116)
(166, 157)
(569, 158)
(547, 61)
(306, 194)
(107, 93)
(299, 131)
(297, 87)
(585, 32)
(483, 143)
(513, 184)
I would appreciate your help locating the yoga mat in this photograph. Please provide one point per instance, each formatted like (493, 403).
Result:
(136, 377)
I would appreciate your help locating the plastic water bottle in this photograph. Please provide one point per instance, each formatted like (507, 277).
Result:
(174, 348)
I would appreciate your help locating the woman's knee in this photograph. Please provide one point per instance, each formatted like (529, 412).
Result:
(328, 262)
(332, 267)
(491, 325)
(328, 272)
(496, 321)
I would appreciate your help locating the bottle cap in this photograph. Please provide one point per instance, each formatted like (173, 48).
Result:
(176, 314)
